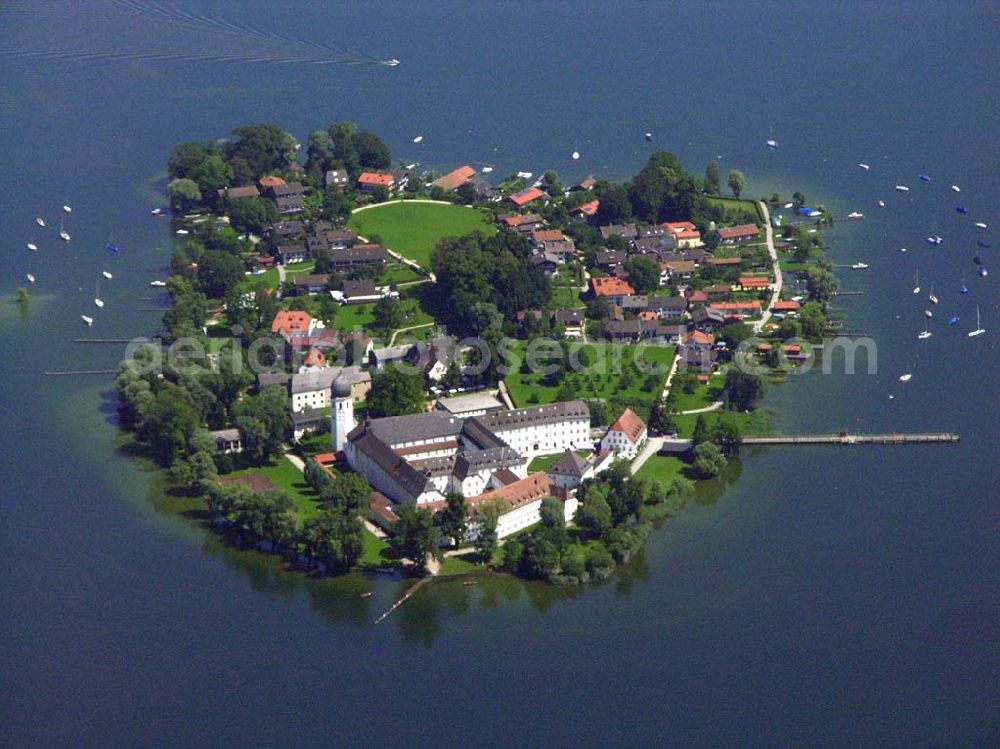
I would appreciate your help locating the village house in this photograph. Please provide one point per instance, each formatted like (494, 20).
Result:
(628, 232)
(587, 183)
(285, 229)
(311, 283)
(707, 320)
(737, 310)
(572, 320)
(522, 198)
(755, 283)
(695, 298)
(545, 262)
(335, 178)
(626, 435)
(338, 239)
(311, 389)
(697, 353)
(288, 254)
(610, 258)
(677, 270)
(614, 290)
(344, 258)
(235, 193)
(786, 307)
(586, 210)
(455, 179)
(738, 234)
(380, 358)
(227, 441)
(526, 223)
(541, 235)
(362, 291)
(563, 249)
(369, 182)
(655, 244)
(686, 233)
(269, 181)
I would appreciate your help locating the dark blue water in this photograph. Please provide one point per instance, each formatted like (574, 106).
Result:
(828, 597)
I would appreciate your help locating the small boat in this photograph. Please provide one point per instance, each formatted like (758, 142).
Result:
(67, 209)
(902, 249)
(977, 259)
(32, 246)
(97, 294)
(418, 139)
(953, 320)
(367, 594)
(182, 232)
(932, 298)
(928, 313)
(864, 166)
(40, 221)
(157, 283)
(916, 289)
(880, 203)
(982, 243)
(956, 188)
(87, 319)
(860, 266)
(981, 225)
(963, 289)
(979, 326)
(961, 209)
(905, 377)
(924, 178)
(982, 271)
(649, 137)
(789, 205)
(391, 63)
(772, 143)
(902, 188)
(576, 155)
(855, 214)
(157, 211)
(487, 169)
(934, 239)
(64, 235)
(924, 334)
(107, 274)
(112, 246)
(30, 277)
(525, 175)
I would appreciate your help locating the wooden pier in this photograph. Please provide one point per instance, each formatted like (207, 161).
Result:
(895, 438)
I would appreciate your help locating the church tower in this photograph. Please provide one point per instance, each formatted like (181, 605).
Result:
(342, 414)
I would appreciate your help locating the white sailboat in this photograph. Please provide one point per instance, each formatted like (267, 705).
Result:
(32, 246)
(956, 188)
(979, 326)
(63, 234)
(981, 225)
(107, 274)
(916, 289)
(905, 377)
(97, 294)
(30, 277)
(925, 334)
(67, 209)
(418, 139)
(87, 319)
(933, 299)
(40, 221)
(864, 166)
(902, 188)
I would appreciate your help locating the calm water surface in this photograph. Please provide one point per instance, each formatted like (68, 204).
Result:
(828, 597)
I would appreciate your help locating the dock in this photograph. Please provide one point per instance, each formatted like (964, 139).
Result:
(81, 372)
(895, 438)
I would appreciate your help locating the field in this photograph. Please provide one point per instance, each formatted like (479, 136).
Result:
(613, 374)
(413, 227)
(736, 205)
(662, 470)
(703, 395)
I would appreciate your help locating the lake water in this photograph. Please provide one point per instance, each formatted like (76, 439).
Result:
(829, 597)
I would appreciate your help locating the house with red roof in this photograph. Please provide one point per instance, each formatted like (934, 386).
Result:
(741, 233)
(686, 233)
(699, 339)
(292, 322)
(271, 180)
(755, 283)
(737, 310)
(626, 435)
(787, 307)
(521, 199)
(611, 288)
(370, 181)
(587, 210)
(454, 180)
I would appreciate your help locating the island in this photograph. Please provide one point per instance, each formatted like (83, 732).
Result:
(363, 366)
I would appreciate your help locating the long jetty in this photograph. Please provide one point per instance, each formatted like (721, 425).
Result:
(895, 438)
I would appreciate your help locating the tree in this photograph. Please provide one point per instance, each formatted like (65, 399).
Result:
(414, 535)
(661, 419)
(395, 392)
(643, 274)
(388, 314)
(349, 492)
(598, 412)
(734, 334)
(708, 460)
(333, 539)
(727, 434)
(615, 207)
(798, 199)
(453, 517)
(822, 284)
(594, 512)
(184, 194)
(742, 389)
(265, 148)
(372, 152)
(713, 177)
(540, 559)
(712, 239)
(553, 519)
(452, 377)
(212, 174)
(486, 539)
(701, 433)
(169, 423)
(813, 320)
(251, 214)
(218, 272)
(185, 158)
(262, 422)
(736, 182)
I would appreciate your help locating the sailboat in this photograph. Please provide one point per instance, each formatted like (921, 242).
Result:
(905, 377)
(916, 289)
(97, 294)
(40, 221)
(32, 246)
(107, 274)
(864, 166)
(963, 288)
(87, 319)
(67, 209)
(63, 234)
(925, 334)
(979, 326)
(928, 313)
(933, 299)
(30, 277)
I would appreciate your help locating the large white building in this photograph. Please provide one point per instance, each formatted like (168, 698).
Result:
(626, 435)
(311, 389)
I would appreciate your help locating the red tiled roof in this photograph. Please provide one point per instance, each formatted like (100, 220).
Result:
(531, 489)
(647, 314)
(376, 178)
(630, 424)
(271, 181)
(697, 337)
(735, 306)
(513, 222)
(755, 282)
(738, 232)
(696, 296)
(683, 229)
(455, 179)
(791, 349)
(588, 209)
(611, 287)
(723, 261)
(765, 347)
(291, 321)
(679, 266)
(315, 358)
(786, 306)
(526, 196)
(548, 235)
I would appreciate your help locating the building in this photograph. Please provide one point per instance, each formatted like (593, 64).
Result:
(227, 441)
(474, 404)
(289, 204)
(362, 291)
(293, 253)
(310, 283)
(380, 358)
(627, 232)
(626, 435)
(562, 249)
(572, 320)
(542, 430)
(271, 180)
(786, 307)
(612, 289)
(685, 232)
(311, 389)
(370, 181)
(737, 310)
(521, 199)
(341, 414)
(345, 258)
(755, 283)
(335, 178)
(540, 236)
(736, 234)
(571, 470)
(454, 180)
(235, 193)
(587, 210)
(526, 223)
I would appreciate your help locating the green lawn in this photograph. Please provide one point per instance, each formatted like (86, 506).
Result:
(754, 424)
(376, 551)
(413, 227)
(287, 478)
(544, 462)
(396, 272)
(735, 204)
(703, 395)
(612, 375)
(662, 469)
(566, 297)
(460, 565)
(411, 299)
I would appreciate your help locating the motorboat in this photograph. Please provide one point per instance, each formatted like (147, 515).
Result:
(87, 319)
(40, 221)
(648, 137)
(860, 266)
(902, 188)
(924, 178)
(982, 271)
(30, 277)
(182, 232)
(928, 313)
(956, 188)
(905, 377)
(487, 169)
(157, 283)
(880, 203)
(157, 211)
(864, 166)
(107, 274)
(32, 246)
(576, 155)
(981, 225)
(112, 247)
(391, 63)
(961, 209)
(67, 209)
(418, 139)
(855, 214)
(772, 143)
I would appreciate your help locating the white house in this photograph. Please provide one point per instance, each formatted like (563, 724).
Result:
(570, 470)
(542, 430)
(626, 435)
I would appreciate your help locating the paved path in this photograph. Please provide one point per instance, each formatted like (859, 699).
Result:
(505, 395)
(398, 200)
(714, 407)
(775, 264)
(397, 331)
(652, 446)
